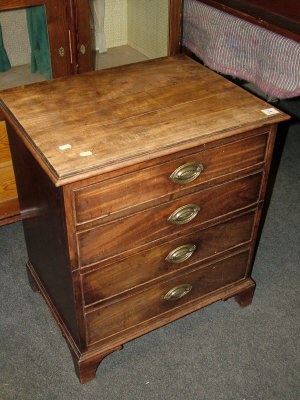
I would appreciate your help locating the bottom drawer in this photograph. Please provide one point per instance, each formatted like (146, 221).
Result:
(119, 316)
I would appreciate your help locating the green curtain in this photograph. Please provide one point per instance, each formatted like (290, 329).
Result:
(38, 38)
(4, 61)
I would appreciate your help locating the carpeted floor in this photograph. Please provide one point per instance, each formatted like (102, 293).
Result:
(221, 352)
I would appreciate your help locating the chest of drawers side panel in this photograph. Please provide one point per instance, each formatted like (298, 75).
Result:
(268, 160)
(263, 207)
(43, 215)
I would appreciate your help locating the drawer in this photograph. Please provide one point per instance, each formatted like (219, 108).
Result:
(119, 316)
(116, 237)
(166, 258)
(102, 199)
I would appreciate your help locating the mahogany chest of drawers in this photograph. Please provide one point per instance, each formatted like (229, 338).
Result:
(141, 189)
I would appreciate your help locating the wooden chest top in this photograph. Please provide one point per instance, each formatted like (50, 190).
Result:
(88, 124)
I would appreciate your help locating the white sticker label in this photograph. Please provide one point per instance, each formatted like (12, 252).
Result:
(65, 147)
(270, 111)
(85, 153)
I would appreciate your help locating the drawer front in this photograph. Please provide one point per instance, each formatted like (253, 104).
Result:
(111, 319)
(166, 258)
(121, 235)
(113, 195)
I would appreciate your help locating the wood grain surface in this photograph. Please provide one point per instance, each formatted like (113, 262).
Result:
(5, 157)
(9, 204)
(151, 264)
(151, 224)
(119, 316)
(9, 211)
(103, 199)
(8, 188)
(118, 117)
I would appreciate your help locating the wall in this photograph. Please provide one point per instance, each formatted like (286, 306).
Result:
(15, 36)
(142, 24)
(115, 23)
(148, 26)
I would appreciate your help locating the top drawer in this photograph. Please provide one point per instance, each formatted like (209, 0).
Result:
(103, 198)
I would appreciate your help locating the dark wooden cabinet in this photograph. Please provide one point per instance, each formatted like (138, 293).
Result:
(141, 189)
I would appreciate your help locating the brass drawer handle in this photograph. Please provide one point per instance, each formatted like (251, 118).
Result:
(178, 292)
(187, 173)
(184, 214)
(181, 253)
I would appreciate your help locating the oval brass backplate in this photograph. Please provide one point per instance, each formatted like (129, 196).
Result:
(178, 292)
(184, 214)
(186, 173)
(181, 253)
